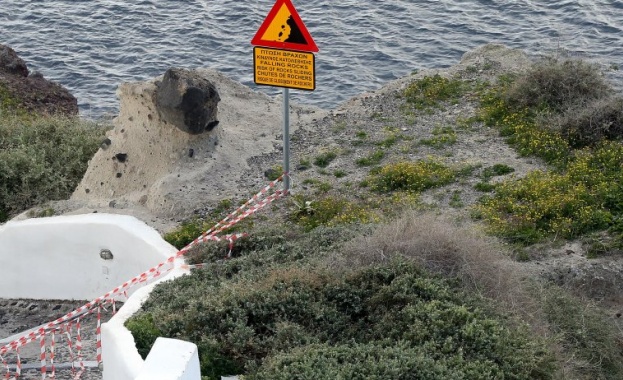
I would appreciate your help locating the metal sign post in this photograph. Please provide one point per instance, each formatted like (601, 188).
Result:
(283, 57)
(286, 140)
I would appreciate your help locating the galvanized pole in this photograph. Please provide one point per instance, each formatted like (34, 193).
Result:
(286, 140)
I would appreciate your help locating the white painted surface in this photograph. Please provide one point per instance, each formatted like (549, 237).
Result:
(59, 257)
(121, 359)
(171, 357)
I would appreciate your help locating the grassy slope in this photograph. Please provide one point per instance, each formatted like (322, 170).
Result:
(287, 298)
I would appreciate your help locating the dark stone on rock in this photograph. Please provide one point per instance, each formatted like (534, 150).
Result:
(191, 152)
(121, 157)
(302, 167)
(33, 93)
(106, 143)
(119, 175)
(188, 101)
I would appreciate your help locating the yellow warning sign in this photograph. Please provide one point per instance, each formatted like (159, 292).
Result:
(284, 68)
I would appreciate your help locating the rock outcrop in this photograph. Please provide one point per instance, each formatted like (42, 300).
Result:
(168, 156)
(31, 91)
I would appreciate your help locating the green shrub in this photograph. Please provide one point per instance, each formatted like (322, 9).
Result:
(328, 211)
(324, 159)
(412, 176)
(42, 159)
(144, 331)
(313, 319)
(484, 187)
(496, 170)
(188, 231)
(339, 173)
(432, 90)
(441, 137)
(373, 158)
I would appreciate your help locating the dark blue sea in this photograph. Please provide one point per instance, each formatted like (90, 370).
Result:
(91, 46)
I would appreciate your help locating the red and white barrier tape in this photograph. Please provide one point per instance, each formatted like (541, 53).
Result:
(42, 357)
(152, 273)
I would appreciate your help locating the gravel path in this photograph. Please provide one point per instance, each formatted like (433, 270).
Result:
(21, 315)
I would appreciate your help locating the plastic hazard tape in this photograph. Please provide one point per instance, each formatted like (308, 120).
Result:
(154, 272)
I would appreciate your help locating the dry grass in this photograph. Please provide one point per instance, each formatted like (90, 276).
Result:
(556, 84)
(587, 124)
(444, 248)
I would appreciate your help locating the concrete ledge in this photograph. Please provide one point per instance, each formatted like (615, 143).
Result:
(60, 257)
(68, 257)
(171, 359)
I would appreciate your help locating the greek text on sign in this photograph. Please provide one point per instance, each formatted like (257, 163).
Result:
(284, 68)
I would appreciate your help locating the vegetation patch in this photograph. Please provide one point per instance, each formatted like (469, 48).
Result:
(442, 137)
(586, 335)
(324, 159)
(304, 322)
(329, 211)
(42, 159)
(578, 196)
(373, 158)
(412, 176)
(585, 197)
(433, 91)
(496, 170)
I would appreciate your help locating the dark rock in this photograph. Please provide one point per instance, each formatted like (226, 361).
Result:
(302, 167)
(106, 143)
(121, 157)
(33, 93)
(191, 152)
(118, 175)
(188, 101)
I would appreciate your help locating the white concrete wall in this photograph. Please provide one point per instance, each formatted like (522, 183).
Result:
(48, 258)
(59, 258)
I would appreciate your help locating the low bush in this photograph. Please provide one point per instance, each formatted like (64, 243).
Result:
(496, 170)
(441, 137)
(555, 84)
(590, 123)
(594, 344)
(251, 322)
(324, 159)
(583, 198)
(412, 176)
(42, 159)
(373, 158)
(433, 90)
(328, 211)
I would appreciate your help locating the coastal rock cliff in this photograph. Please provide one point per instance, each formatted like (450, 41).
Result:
(31, 90)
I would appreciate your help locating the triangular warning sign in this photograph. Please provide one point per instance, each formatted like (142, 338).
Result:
(284, 29)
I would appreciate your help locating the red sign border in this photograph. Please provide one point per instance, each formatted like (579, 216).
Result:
(257, 40)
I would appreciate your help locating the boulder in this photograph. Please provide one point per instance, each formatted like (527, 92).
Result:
(33, 92)
(188, 101)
